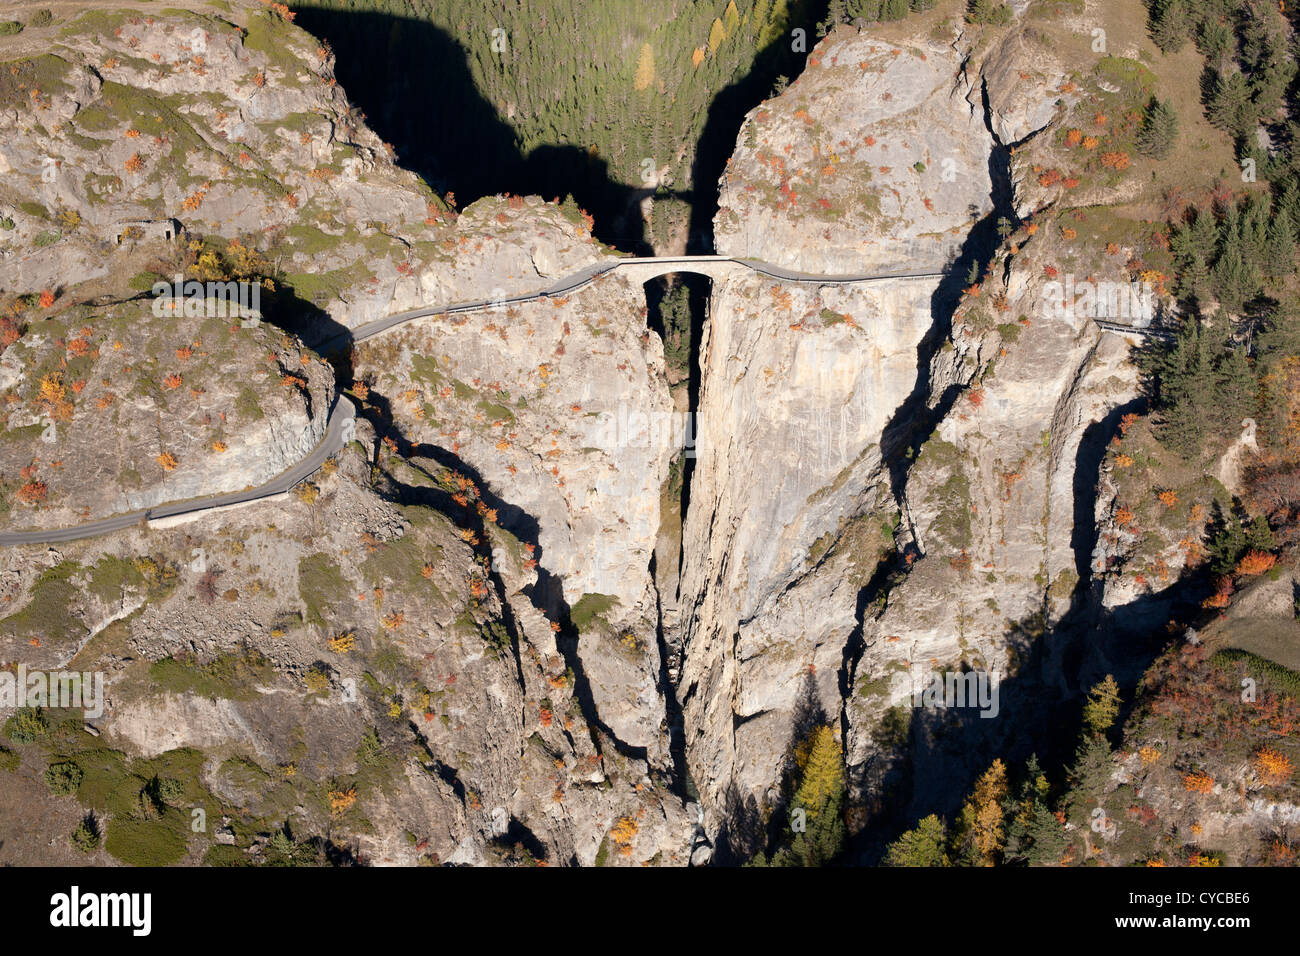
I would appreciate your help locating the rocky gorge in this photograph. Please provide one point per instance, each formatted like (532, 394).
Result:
(516, 620)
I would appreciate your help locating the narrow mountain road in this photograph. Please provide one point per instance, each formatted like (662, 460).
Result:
(707, 265)
(339, 431)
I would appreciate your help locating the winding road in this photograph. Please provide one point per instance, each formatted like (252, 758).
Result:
(339, 431)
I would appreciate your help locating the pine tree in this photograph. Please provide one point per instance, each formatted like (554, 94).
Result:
(924, 845)
(1102, 706)
(1159, 130)
(1169, 26)
(1230, 105)
(1234, 279)
(1288, 204)
(820, 795)
(1236, 392)
(1046, 836)
(1185, 375)
(1034, 835)
(1214, 40)
(1088, 775)
(1279, 246)
(980, 831)
(1232, 533)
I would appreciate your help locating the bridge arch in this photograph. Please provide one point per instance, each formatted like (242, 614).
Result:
(712, 267)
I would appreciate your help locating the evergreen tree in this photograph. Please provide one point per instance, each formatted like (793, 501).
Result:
(1185, 376)
(1234, 279)
(1034, 835)
(820, 795)
(1214, 40)
(923, 845)
(1288, 204)
(1235, 391)
(980, 832)
(1159, 130)
(1169, 25)
(1102, 706)
(1227, 540)
(1088, 776)
(1279, 246)
(1230, 105)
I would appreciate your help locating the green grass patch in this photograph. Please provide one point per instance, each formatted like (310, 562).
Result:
(231, 676)
(321, 586)
(48, 615)
(589, 607)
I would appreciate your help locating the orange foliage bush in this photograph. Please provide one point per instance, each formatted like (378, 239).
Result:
(342, 800)
(1198, 782)
(33, 492)
(1273, 768)
(1255, 562)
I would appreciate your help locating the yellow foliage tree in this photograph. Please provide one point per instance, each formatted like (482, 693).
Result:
(823, 773)
(717, 33)
(645, 68)
(982, 821)
(731, 16)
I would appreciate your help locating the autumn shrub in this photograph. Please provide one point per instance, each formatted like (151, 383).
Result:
(1272, 767)
(1255, 562)
(317, 678)
(33, 492)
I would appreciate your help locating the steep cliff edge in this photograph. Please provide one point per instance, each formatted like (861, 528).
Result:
(975, 541)
(442, 648)
(792, 505)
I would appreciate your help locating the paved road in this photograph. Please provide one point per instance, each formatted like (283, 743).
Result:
(584, 277)
(341, 415)
(337, 433)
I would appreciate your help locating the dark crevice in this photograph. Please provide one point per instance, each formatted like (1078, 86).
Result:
(914, 420)
(682, 784)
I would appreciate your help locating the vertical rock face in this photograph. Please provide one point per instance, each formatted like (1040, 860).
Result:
(817, 573)
(560, 409)
(790, 506)
(561, 406)
(998, 506)
(799, 383)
